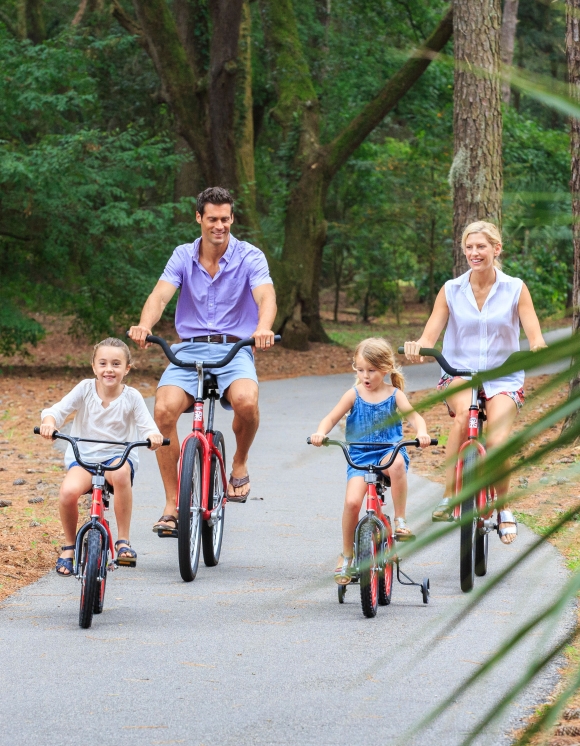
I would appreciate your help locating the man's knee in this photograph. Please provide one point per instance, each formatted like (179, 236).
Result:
(166, 412)
(244, 400)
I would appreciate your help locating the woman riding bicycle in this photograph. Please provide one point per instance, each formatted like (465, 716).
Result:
(483, 309)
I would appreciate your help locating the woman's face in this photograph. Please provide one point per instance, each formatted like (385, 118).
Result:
(479, 252)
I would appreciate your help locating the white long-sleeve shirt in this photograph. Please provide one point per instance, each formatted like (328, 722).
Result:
(126, 418)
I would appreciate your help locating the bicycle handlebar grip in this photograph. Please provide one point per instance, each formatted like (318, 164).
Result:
(434, 442)
(37, 431)
(401, 350)
(309, 441)
(166, 442)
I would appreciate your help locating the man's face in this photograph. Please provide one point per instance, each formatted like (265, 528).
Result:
(215, 223)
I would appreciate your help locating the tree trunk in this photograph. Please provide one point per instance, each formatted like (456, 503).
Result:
(573, 55)
(508, 38)
(476, 172)
(35, 28)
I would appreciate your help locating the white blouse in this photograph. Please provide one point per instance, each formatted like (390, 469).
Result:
(125, 419)
(482, 340)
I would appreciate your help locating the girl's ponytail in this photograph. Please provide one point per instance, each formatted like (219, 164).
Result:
(397, 379)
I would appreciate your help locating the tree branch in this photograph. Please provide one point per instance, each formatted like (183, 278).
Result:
(345, 143)
(12, 28)
(129, 24)
(80, 13)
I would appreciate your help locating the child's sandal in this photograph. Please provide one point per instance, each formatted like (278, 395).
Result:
(342, 571)
(402, 531)
(126, 557)
(65, 563)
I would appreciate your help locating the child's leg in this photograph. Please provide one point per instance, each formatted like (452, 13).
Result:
(355, 492)
(123, 500)
(398, 474)
(76, 482)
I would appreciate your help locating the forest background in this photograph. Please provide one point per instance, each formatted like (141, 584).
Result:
(99, 166)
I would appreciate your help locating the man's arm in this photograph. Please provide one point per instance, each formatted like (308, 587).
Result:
(154, 306)
(265, 298)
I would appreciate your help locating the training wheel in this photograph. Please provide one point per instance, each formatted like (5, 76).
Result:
(425, 590)
(341, 593)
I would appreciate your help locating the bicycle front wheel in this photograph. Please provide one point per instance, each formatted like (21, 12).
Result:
(212, 535)
(468, 528)
(369, 571)
(89, 578)
(189, 519)
(386, 576)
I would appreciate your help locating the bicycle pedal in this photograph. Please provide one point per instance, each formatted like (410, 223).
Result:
(403, 539)
(125, 562)
(167, 533)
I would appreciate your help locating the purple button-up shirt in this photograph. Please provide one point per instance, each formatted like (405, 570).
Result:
(224, 304)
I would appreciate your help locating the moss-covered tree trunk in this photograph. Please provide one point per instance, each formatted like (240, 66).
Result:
(573, 55)
(476, 172)
(508, 38)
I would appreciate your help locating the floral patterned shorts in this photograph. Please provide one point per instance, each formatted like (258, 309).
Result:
(517, 396)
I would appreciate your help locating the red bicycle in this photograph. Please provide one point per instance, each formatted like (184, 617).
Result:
(373, 559)
(201, 489)
(94, 542)
(475, 512)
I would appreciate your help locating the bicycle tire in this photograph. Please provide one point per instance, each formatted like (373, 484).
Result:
(481, 550)
(189, 518)
(369, 574)
(100, 594)
(386, 576)
(469, 529)
(341, 593)
(211, 536)
(90, 572)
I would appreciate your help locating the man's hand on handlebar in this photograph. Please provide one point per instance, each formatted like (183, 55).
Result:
(156, 441)
(412, 352)
(139, 335)
(317, 439)
(264, 338)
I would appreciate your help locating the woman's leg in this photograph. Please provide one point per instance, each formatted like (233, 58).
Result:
(458, 402)
(76, 482)
(501, 414)
(123, 499)
(398, 475)
(355, 492)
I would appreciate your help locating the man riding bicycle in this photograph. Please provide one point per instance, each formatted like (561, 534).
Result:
(226, 294)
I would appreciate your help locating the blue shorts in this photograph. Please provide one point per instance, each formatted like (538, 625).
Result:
(242, 366)
(362, 456)
(108, 462)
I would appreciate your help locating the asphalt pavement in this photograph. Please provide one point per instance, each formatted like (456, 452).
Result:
(257, 650)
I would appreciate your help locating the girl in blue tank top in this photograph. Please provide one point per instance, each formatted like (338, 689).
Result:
(374, 417)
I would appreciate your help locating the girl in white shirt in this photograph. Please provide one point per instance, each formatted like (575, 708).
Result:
(483, 309)
(106, 409)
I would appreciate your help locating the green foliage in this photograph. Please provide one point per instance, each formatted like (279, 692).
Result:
(16, 330)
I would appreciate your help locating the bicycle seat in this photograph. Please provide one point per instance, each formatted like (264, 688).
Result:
(384, 479)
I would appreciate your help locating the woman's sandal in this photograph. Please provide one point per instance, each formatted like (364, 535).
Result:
(65, 563)
(342, 571)
(126, 557)
(161, 524)
(238, 482)
(443, 513)
(506, 516)
(402, 531)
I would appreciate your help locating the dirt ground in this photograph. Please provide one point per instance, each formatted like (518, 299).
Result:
(31, 470)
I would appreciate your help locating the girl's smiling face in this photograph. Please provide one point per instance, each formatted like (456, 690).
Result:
(479, 252)
(110, 366)
(369, 376)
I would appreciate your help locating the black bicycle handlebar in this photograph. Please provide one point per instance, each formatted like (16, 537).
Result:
(372, 467)
(432, 352)
(128, 448)
(206, 363)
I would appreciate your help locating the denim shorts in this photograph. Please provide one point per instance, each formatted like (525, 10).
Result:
(517, 397)
(108, 462)
(242, 366)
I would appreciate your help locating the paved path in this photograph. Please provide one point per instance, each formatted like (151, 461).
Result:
(257, 650)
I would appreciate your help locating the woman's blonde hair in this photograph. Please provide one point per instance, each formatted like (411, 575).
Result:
(113, 342)
(489, 230)
(379, 353)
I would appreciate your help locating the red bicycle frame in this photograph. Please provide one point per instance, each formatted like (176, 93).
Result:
(205, 438)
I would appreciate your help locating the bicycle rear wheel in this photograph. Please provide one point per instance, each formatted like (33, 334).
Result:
(90, 571)
(469, 528)
(212, 536)
(481, 550)
(189, 519)
(369, 572)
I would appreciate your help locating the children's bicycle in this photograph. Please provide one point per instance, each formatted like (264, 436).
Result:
(373, 558)
(201, 488)
(94, 543)
(474, 531)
